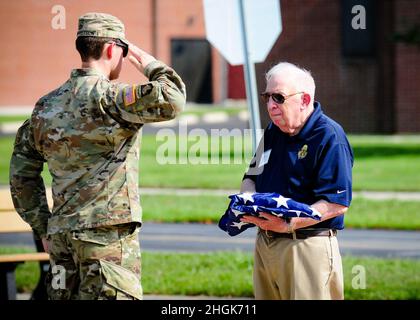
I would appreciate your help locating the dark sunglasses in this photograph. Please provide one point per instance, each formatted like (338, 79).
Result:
(277, 97)
(121, 44)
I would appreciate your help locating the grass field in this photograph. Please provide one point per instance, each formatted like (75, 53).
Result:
(230, 274)
(189, 110)
(381, 163)
(363, 213)
(12, 118)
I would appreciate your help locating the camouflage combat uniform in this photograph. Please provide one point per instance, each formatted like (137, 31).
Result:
(88, 132)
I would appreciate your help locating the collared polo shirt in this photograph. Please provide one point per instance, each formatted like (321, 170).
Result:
(315, 164)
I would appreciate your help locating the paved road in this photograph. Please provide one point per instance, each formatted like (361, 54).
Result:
(208, 238)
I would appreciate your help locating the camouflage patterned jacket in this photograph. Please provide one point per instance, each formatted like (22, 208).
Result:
(88, 132)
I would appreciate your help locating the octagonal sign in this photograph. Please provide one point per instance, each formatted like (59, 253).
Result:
(223, 27)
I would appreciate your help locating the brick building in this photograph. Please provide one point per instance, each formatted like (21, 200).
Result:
(368, 81)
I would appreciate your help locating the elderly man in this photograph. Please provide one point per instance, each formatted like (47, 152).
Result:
(88, 131)
(304, 155)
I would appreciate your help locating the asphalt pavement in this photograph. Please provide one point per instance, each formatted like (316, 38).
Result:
(195, 237)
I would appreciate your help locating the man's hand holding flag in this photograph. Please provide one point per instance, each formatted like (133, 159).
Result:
(263, 205)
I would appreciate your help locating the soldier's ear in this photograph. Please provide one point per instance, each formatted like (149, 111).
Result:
(108, 49)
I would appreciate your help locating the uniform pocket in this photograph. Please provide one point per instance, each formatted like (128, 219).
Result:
(125, 282)
(102, 236)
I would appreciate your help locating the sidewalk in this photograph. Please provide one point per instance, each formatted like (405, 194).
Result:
(374, 195)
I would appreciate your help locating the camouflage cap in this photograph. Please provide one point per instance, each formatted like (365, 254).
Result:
(94, 24)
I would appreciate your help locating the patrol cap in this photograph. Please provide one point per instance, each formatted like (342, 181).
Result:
(95, 24)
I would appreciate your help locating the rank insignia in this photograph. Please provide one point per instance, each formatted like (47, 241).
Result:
(303, 152)
(129, 95)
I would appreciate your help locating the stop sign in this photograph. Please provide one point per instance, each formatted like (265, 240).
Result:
(223, 27)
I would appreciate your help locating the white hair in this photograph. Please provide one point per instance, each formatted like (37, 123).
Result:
(299, 77)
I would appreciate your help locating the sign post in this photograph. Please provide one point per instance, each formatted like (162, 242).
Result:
(244, 32)
(250, 82)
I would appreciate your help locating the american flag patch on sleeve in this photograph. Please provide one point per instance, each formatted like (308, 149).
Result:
(129, 95)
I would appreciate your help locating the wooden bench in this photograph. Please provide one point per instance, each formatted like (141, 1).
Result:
(11, 222)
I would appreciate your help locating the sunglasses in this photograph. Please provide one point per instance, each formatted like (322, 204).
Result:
(121, 44)
(277, 97)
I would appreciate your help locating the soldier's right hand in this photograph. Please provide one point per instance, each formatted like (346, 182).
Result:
(139, 58)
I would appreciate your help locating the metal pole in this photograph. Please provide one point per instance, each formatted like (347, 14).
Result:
(251, 83)
(154, 28)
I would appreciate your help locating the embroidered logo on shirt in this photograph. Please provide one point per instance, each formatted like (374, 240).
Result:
(303, 152)
(341, 191)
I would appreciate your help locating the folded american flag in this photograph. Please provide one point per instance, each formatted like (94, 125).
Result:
(254, 203)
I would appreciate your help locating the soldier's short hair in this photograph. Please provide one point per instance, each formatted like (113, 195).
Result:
(91, 47)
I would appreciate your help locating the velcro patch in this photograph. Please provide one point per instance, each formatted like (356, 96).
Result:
(146, 89)
(129, 95)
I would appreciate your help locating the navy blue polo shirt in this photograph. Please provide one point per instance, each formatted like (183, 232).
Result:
(315, 164)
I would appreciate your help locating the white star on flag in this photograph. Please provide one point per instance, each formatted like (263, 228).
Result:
(239, 224)
(247, 196)
(281, 201)
(298, 212)
(273, 203)
(236, 212)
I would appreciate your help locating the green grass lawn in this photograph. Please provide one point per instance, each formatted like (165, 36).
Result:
(13, 118)
(363, 213)
(391, 152)
(230, 274)
(383, 214)
(189, 110)
(385, 163)
(199, 111)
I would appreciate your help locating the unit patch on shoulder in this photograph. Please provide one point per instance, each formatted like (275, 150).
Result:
(129, 95)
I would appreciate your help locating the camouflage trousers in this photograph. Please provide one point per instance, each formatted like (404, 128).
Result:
(95, 264)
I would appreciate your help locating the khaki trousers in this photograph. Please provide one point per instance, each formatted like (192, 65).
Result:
(288, 269)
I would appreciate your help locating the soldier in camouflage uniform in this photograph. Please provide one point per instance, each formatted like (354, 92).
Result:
(88, 132)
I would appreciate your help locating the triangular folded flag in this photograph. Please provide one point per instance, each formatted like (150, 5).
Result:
(255, 203)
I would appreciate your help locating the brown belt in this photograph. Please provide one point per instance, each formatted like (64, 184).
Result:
(301, 234)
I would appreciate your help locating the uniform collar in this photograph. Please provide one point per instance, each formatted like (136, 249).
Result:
(86, 72)
(310, 123)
